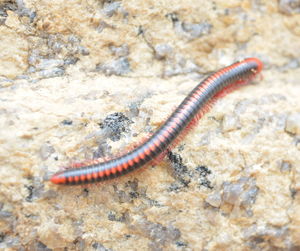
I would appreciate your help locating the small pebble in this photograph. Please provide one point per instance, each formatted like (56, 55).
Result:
(49, 63)
(230, 123)
(110, 8)
(121, 51)
(293, 123)
(285, 166)
(118, 67)
(162, 50)
(214, 199)
(232, 192)
(46, 150)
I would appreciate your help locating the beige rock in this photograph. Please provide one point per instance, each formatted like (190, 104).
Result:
(13, 53)
(87, 64)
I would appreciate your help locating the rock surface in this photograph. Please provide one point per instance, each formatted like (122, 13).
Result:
(90, 79)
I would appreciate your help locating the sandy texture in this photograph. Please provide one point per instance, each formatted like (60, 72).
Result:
(87, 79)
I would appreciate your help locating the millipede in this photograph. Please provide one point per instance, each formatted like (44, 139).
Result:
(185, 115)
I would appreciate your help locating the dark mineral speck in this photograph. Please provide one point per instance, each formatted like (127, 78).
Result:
(203, 179)
(67, 122)
(115, 216)
(180, 171)
(116, 124)
(99, 247)
(41, 247)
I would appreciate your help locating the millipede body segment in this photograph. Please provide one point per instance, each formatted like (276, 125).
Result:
(189, 111)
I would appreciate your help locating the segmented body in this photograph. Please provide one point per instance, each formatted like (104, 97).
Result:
(189, 111)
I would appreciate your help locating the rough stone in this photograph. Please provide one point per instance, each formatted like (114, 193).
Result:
(93, 79)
